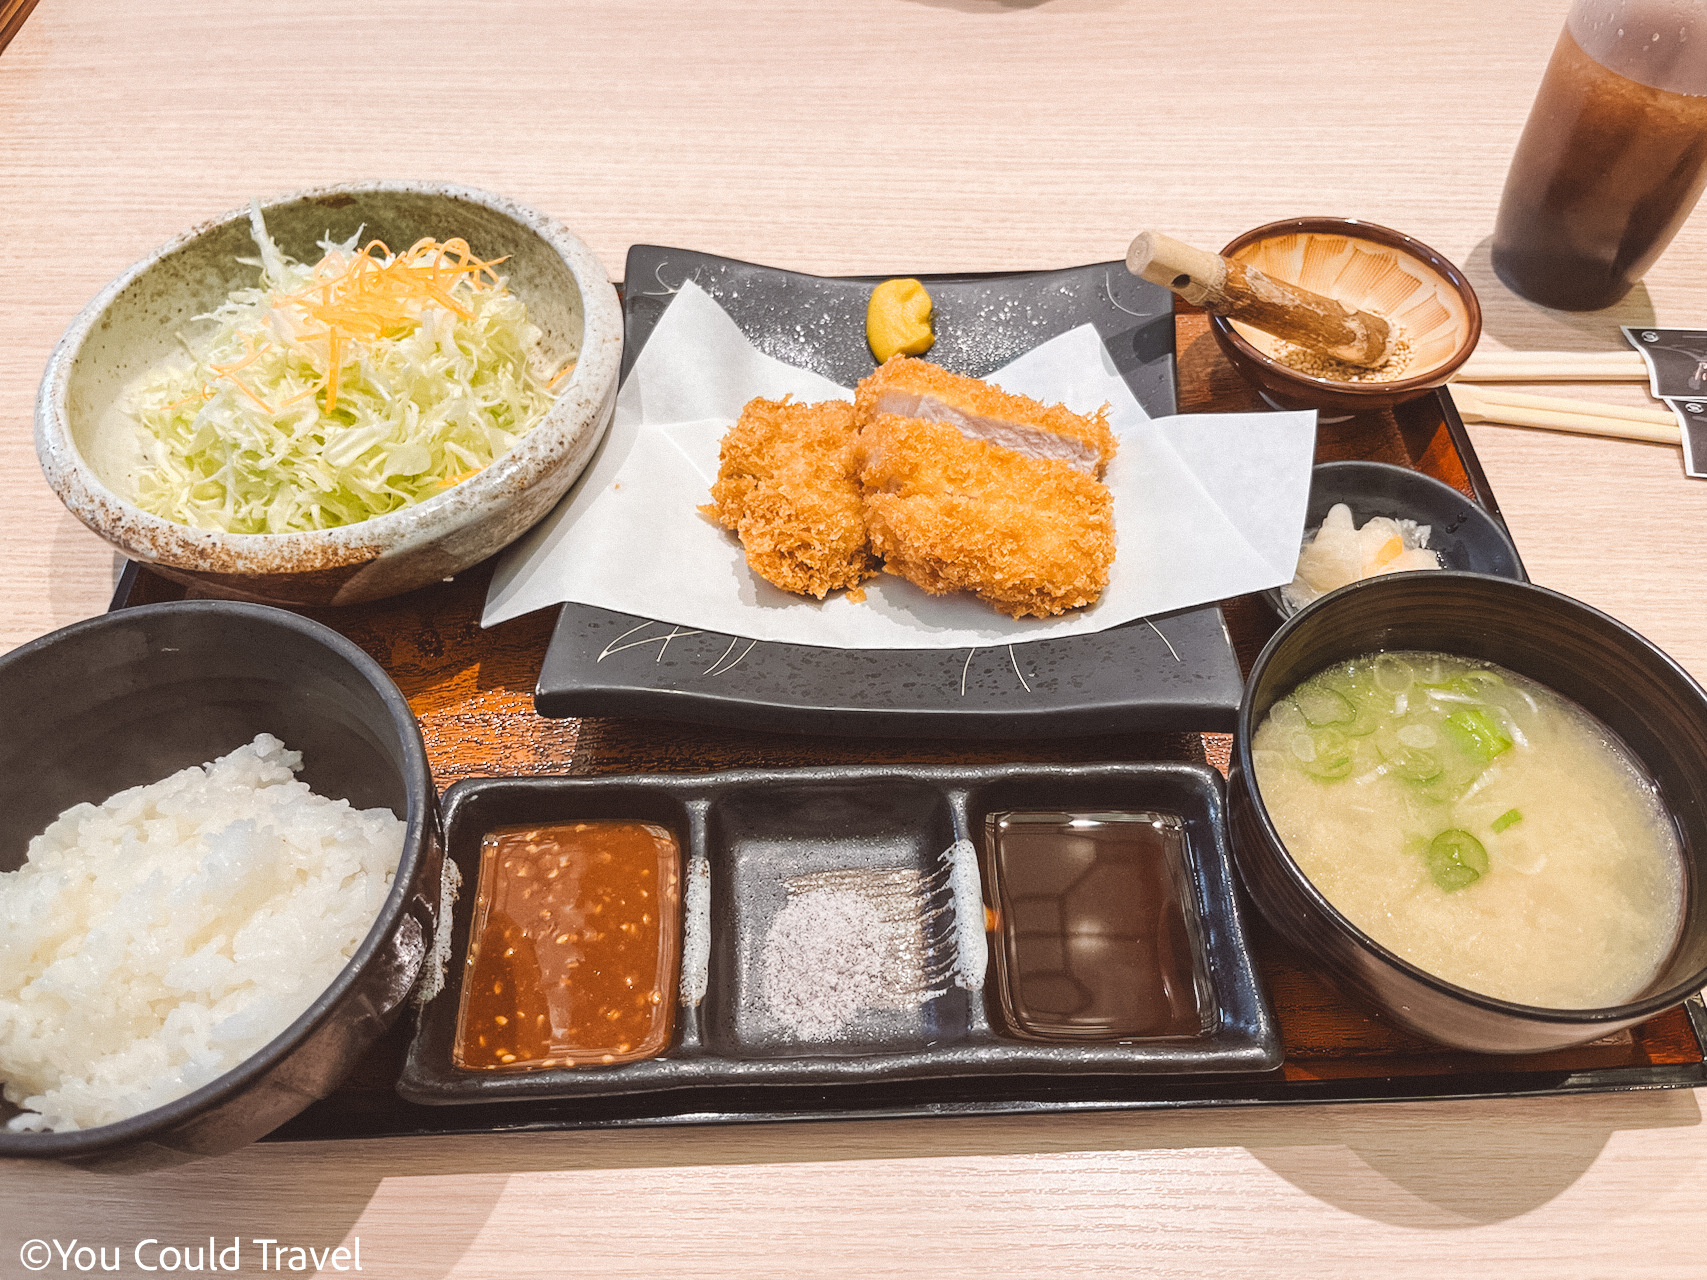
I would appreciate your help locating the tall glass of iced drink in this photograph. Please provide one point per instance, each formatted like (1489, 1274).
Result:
(1614, 154)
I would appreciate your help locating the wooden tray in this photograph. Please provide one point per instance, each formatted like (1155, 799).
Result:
(473, 693)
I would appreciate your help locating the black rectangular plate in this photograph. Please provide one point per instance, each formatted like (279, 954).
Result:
(1172, 673)
(756, 828)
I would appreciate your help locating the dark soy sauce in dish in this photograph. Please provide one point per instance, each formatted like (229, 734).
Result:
(1097, 930)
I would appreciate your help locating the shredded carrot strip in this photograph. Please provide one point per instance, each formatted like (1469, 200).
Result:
(359, 300)
(204, 395)
(377, 290)
(334, 362)
(298, 398)
(459, 477)
(562, 373)
(230, 371)
(1390, 550)
(255, 353)
(259, 403)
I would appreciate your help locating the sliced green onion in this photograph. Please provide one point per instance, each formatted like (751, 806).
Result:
(1333, 757)
(1412, 764)
(1365, 722)
(1368, 704)
(1392, 675)
(1434, 674)
(1420, 735)
(1476, 733)
(1477, 682)
(1506, 819)
(1456, 860)
(1322, 705)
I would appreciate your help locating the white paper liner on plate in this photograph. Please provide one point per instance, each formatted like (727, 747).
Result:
(1206, 506)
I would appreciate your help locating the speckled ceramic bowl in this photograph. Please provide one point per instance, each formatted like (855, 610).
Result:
(89, 456)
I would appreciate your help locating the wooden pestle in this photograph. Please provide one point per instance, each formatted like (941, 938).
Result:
(1228, 288)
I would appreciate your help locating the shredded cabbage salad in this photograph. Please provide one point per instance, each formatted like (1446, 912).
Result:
(335, 392)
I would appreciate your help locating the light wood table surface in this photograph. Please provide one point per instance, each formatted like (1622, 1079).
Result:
(873, 136)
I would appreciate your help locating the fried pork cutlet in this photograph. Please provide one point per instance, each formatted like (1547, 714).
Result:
(1034, 537)
(982, 411)
(788, 484)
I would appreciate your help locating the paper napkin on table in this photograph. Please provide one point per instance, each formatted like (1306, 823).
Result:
(1205, 505)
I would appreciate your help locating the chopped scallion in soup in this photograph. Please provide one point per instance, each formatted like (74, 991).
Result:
(1477, 824)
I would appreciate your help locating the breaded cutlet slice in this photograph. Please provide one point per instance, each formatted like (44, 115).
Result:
(788, 484)
(1034, 537)
(913, 388)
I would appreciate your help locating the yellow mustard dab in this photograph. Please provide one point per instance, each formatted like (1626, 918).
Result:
(898, 320)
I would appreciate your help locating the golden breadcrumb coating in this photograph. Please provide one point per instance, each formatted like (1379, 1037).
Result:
(1033, 537)
(983, 411)
(788, 484)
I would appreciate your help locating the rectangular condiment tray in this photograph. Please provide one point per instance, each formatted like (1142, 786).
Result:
(473, 693)
(752, 832)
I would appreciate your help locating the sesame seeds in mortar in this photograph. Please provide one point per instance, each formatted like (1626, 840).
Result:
(1424, 298)
(89, 453)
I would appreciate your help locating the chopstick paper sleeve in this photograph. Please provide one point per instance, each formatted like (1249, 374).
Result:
(1676, 360)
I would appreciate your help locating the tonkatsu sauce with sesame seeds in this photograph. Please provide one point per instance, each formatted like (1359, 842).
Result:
(576, 942)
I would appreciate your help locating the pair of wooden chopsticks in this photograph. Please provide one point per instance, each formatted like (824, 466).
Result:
(1557, 413)
(12, 15)
(1554, 366)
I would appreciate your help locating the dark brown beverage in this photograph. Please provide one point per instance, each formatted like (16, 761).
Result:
(1097, 932)
(1607, 169)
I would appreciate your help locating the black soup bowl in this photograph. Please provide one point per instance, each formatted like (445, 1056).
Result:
(133, 696)
(1606, 668)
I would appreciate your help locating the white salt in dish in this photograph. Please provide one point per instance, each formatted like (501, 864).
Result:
(856, 940)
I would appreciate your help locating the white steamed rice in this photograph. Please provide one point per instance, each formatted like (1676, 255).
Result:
(153, 942)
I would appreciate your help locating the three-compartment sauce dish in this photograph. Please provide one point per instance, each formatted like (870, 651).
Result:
(839, 925)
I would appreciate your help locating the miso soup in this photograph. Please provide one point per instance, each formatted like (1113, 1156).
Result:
(1477, 824)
